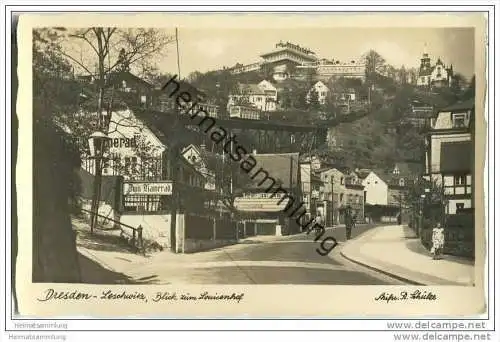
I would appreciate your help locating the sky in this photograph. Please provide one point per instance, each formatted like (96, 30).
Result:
(210, 49)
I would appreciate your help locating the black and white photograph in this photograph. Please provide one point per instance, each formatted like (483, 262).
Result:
(283, 156)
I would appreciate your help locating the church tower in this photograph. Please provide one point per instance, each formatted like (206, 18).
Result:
(425, 70)
(425, 61)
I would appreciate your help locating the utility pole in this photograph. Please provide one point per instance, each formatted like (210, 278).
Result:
(173, 161)
(331, 191)
(290, 191)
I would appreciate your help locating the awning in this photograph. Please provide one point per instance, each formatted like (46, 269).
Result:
(456, 157)
(260, 205)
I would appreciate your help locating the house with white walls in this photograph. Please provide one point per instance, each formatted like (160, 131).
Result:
(376, 189)
(321, 89)
(204, 161)
(139, 157)
(263, 96)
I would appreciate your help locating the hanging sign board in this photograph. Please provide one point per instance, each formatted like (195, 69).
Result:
(147, 188)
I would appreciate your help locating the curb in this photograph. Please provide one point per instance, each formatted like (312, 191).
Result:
(388, 273)
(373, 268)
(392, 275)
(92, 257)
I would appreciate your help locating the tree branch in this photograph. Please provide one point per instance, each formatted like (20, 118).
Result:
(77, 62)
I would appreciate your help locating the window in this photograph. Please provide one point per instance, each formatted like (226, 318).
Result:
(459, 120)
(460, 206)
(459, 180)
(342, 180)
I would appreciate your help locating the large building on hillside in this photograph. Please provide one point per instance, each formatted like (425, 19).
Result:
(437, 75)
(327, 69)
(288, 60)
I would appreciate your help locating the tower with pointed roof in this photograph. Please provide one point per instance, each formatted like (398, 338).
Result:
(437, 75)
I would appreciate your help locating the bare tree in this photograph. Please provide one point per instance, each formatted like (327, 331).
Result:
(112, 49)
(374, 62)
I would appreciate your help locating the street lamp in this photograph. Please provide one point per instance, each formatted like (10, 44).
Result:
(97, 144)
(421, 214)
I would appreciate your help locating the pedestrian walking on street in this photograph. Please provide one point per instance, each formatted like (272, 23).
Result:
(437, 241)
(319, 221)
(348, 220)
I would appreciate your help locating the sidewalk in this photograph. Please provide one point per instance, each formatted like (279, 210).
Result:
(395, 251)
(158, 267)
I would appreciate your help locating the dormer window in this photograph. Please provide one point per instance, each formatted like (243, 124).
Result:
(458, 120)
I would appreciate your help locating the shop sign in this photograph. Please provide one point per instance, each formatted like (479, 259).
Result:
(147, 188)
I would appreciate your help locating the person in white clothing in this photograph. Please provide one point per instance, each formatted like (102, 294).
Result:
(437, 241)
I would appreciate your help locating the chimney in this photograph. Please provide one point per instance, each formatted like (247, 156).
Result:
(202, 147)
(254, 152)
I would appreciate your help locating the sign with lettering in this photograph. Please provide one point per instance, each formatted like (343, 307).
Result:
(260, 204)
(146, 188)
(122, 142)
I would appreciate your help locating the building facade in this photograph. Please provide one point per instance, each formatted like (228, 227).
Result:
(332, 194)
(353, 69)
(450, 154)
(244, 112)
(311, 188)
(195, 156)
(375, 188)
(437, 75)
(321, 90)
(288, 60)
(263, 96)
(258, 207)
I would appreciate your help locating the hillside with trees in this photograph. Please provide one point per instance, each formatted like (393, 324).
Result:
(376, 140)
(382, 138)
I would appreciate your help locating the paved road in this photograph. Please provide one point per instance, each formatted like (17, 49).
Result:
(289, 260)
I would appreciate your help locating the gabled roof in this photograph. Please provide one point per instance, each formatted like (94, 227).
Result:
(363, 173)
(213, 161)
(463, 105)
(117, 76)
(250, 89)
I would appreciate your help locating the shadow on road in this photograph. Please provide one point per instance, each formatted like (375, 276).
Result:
(249, 242)
(93, 273)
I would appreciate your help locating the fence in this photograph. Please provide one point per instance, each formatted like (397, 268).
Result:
(202, 232)
(136, 240)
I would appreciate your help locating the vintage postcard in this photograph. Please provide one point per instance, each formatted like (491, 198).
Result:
(251, 165)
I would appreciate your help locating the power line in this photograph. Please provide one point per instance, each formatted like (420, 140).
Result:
(178, 59)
